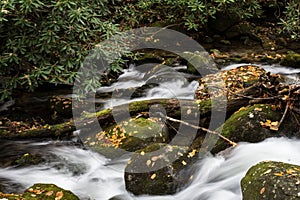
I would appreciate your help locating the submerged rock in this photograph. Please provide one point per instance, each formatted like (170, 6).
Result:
(272, 180)
(42, 192)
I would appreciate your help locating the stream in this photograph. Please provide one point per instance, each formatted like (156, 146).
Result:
(92, 176)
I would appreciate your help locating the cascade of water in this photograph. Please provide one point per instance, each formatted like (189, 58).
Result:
(91, 176)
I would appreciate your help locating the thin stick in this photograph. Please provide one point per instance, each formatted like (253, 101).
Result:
(204, 129)
(284, 114)
(294, 115)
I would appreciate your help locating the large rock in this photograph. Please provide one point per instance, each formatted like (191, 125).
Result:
(272, 180)
(42, 192)
(128, 136)
(159, 169)
(256, 123)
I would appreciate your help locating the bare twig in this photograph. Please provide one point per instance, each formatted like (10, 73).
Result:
(204, 129)
(284, 114)
(297, 121)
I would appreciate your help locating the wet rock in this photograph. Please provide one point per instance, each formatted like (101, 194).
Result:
(159, 169)
(42, 191)
(272, 180)
(28, 159)
(256, 123)
(291, 60)
(129, 136)
(199, 63)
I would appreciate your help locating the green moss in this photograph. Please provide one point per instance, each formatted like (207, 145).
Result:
(205, 105)
(271, 180)
(292, 60)
(245, 125)
(42, 192)
(158, 170)
(129, 135)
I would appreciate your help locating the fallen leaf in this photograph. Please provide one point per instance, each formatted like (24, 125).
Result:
(153, 176)
(189, 111)
(59, 195)
(290, 171)
(268, 171)
(49, 193)
(154, 158)
(258, 109)
(275, 123)
(274, 128)
(279, 174)
(148, 162)
(262, 190)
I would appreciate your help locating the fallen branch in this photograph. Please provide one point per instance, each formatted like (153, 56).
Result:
(204, 129)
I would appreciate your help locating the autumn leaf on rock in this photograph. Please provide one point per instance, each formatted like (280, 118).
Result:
(269, 124)
(59, 195)
(49, 193)
(262, 190)
(279, 174)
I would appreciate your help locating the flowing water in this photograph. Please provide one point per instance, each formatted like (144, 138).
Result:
(92, 176)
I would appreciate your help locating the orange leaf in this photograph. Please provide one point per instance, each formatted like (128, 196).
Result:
(49, 193)
(262, 190)
(59, 195)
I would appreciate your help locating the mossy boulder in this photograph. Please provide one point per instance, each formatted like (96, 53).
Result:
(159, 169)
(199, 63)
(272, 180)
(256, 123)
(128, 136)
(42, 192)
(291, 60)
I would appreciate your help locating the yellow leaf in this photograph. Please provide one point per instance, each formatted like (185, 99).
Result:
(279, 174)
(290, 171)
(258, 109)
(148, 162)
(192, 154)
(275, 123)
(153, 176)
(274, 128)
(184, 163)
